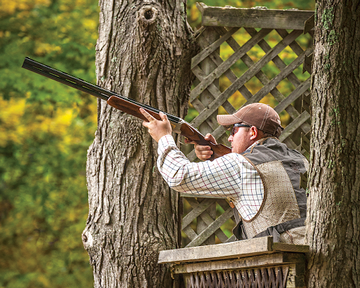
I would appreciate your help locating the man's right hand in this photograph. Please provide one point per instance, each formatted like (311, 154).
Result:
(204, 152)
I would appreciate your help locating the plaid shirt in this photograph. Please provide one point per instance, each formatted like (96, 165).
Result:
(230, 176)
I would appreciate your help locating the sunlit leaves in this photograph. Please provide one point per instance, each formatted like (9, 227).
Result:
(45, 131)
(10, 7)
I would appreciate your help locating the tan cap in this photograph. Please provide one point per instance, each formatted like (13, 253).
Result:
(260, 115)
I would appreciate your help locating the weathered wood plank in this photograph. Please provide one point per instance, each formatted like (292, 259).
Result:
(199, 106)
(255, 18)
(305, 142)
(231, 239)
(246, 262)
(290, 247)
(292, 77)
(190, 233)
(223, 204)
(264, 80)
(236, 249)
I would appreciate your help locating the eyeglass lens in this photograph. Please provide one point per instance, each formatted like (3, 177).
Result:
(238, 125)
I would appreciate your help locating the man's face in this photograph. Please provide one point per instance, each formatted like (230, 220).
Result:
(241, 139)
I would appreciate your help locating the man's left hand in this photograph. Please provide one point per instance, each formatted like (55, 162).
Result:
(157, 128)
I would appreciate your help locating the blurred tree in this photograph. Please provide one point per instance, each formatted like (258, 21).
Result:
(44, 135)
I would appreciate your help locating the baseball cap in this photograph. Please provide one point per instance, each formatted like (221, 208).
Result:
(260, 115)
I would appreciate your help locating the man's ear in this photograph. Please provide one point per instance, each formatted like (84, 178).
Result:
(254, 132)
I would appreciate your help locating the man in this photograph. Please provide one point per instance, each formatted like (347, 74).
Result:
(261, 176)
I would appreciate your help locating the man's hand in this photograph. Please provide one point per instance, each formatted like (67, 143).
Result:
(157, 128)
(201, 151)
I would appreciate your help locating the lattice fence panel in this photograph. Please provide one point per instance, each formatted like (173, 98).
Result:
(239, 65)
(201, 225)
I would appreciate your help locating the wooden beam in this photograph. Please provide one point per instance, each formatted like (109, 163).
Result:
(250, 247)
(274, 259)
(255, 18)
(234, 250)
(290, 248)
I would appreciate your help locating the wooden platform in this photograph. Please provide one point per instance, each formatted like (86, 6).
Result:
(258, 262)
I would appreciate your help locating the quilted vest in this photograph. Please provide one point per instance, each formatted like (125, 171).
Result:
(280, 169)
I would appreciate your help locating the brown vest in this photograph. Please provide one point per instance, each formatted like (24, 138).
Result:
(280, 169)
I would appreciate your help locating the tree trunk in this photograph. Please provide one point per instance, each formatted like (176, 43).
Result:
(143, 52)
(333, 222)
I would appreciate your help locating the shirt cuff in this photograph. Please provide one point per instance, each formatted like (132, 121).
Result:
(165, 142)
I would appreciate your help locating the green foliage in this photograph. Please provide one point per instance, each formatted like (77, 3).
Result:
(45, 130)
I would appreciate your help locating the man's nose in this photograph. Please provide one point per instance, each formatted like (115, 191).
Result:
(230, 138)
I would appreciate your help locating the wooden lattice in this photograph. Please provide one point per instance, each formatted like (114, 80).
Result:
(276, 53)
(207, 224)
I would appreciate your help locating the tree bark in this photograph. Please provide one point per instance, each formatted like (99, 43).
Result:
(143, 52)
(333, 222)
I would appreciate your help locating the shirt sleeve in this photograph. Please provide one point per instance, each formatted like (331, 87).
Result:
(220, 177)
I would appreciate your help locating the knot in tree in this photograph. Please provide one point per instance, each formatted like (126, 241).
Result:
(147, 15)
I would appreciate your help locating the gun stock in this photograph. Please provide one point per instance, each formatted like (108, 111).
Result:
(124, 104)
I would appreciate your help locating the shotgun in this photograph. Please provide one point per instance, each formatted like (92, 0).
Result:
(124, 104)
